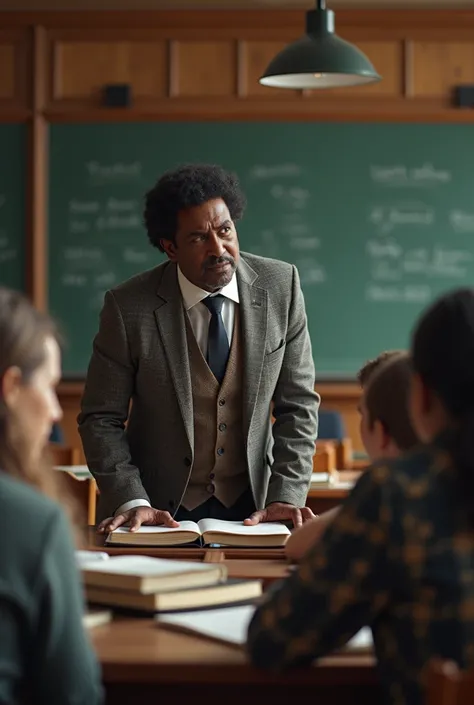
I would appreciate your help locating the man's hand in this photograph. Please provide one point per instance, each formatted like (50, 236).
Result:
(280, 511)
(136, 517)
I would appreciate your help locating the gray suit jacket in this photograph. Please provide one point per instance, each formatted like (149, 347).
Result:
(140, 356)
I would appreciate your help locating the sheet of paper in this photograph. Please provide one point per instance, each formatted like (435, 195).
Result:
(362, 640)
(228, 624)
(80, 471)
(319, 477)
(146, 566)
(84, 558)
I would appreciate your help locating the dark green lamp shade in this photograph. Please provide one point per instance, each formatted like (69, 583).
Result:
(320, 59)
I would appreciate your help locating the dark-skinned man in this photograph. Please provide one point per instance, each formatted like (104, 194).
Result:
(202, 346)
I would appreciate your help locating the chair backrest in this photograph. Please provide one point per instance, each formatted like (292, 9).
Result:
(448, 685)
(57, 435)
(331, 425)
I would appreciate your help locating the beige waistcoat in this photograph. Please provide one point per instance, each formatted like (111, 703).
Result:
(220, 465)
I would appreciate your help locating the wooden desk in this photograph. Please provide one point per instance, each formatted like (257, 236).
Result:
(144, 664)
(329, 495)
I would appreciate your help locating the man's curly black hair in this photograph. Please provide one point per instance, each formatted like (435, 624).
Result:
(189, 185)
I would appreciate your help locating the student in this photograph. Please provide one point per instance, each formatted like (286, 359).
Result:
(45, 655)
(385, 428)
(400, 554)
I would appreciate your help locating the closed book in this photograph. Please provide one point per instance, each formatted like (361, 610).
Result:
(94, 617)
(230, 592)
(149, 575)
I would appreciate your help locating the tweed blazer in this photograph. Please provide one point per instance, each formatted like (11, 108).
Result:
(136, 420)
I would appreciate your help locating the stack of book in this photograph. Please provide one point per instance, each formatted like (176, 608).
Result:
(153, 585)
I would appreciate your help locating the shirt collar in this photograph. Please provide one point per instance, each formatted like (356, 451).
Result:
(193, 294)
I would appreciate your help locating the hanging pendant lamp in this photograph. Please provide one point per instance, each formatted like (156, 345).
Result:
(320, 59)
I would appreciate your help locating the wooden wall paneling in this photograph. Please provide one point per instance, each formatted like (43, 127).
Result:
(394, 22)
(440, 65)
(7, 71)
(37, 196)
(15, 54)
(205, 68)
(191, 56)
(388, 59)
(83, 63)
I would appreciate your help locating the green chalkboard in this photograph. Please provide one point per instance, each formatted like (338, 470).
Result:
(12, 205)
(379, 219)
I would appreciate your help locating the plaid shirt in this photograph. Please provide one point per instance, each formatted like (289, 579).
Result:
(398, 557)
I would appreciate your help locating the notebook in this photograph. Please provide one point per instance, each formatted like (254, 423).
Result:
(230, 592)
(207, 531)
(230, 625)
(147, 575)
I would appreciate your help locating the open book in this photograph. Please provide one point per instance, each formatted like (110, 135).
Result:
(148, 575)
(229, 626)
(207, 531)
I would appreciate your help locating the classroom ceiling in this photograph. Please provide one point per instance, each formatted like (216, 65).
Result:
(221, 4)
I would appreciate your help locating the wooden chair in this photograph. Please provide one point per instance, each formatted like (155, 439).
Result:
(343, 450)
(83, 489)
(448, 685)
(324, 460)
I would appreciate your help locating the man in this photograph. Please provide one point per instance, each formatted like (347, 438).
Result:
(201, 346)
(385, 428)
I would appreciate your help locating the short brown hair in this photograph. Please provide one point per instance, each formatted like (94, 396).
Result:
(386, 399)
(371, 366)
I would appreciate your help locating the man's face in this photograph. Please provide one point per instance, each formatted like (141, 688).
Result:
(207, 246)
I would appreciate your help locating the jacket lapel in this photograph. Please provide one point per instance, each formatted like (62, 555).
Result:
(171, 324)
(253, 312)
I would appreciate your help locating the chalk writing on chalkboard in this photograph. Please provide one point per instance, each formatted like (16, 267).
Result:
(378, 219)
(260, 171)
(100, 173)
(461, 221)
(401, 175)
(388, 217)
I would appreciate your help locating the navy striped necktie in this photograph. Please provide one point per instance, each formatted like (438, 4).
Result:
(218, 343)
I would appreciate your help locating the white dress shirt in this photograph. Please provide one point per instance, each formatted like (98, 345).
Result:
(199, 317)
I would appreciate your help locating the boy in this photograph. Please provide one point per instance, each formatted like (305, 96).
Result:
(385, 429)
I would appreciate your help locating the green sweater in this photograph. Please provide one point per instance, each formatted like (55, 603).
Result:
(45, 655)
